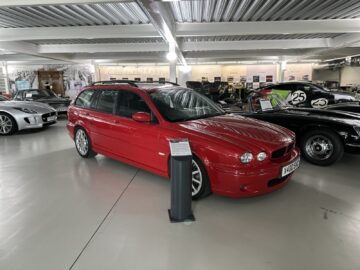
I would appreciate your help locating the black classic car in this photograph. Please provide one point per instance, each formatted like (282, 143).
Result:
(47, 96)
(308, 95)
(322, 135)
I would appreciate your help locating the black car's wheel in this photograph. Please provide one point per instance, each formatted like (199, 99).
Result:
(83, 144)
(200, 180)
(8, 124)
(322, 147)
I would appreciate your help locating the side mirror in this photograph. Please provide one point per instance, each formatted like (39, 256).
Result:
(141, 117)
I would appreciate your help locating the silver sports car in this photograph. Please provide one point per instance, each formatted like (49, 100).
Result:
(18, 115)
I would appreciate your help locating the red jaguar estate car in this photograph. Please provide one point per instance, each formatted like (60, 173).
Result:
(232, 155)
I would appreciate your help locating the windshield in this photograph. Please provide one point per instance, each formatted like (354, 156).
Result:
(258, 102)
(38, 94)
(182, 104)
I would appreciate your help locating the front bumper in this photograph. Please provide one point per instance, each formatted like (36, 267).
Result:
(252, 182)
(29, 121)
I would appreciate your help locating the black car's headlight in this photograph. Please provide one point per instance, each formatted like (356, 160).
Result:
(25, 110)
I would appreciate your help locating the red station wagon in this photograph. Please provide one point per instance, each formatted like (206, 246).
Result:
(232, 155)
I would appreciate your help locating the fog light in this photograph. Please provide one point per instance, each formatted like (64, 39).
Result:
(261, 156)
(246, 157)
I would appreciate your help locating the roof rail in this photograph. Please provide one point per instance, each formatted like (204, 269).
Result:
(129, 82)
(160, 82)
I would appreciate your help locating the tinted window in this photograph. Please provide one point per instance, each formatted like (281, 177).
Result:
(106, 101)
(181, 104)
(130, 103)
(84, 99)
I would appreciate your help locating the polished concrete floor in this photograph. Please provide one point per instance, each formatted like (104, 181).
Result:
(58, 211)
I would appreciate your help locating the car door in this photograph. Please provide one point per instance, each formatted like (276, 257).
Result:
(103, 121)
(82, 114)
(141, 139)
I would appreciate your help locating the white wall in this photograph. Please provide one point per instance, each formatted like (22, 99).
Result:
(350, 76)
(326, 75)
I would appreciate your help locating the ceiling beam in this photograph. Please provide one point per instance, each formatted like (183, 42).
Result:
(186, 46)
(255, 44)
(79, 32)
(182, 29)
(268, 27)
(163, 21)
(104, 47)
(30, 49)
(14, 3)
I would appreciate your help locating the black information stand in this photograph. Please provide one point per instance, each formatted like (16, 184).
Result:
(181, 181)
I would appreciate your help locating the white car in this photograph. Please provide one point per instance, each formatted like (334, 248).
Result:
(19, 115)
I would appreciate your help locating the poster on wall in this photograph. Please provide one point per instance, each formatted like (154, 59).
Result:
(230, 79)
(125, 78)
(249, 85)
(256, 79)
(305, 77)
(149, 80)
(269, 78)
(137, 79)
(243, 79)
(204, 79)
(112, 78)
(162, 80)
(262, 78)
(23, 84)
(217, 79)
(256, 85)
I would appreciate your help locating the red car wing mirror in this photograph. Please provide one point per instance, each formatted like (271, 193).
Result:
(141, 117)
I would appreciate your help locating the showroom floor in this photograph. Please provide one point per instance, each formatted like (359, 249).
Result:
(58, 211)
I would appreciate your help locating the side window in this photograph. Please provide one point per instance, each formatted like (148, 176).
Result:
(130, 103)
(106, 101)
(84, 99)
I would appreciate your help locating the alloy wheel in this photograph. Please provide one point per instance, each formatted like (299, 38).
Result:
(319, 147)
(6, 124)
(82, 142)
(197, 178)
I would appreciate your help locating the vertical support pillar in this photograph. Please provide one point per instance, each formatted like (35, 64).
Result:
(282, 70)
(172, 57)
(172, 72)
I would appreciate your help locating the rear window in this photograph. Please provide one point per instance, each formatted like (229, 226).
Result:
(84, 99)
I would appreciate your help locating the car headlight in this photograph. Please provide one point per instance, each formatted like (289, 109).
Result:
(261, 156)
(25, 110)
(357, 130)
(246, 157)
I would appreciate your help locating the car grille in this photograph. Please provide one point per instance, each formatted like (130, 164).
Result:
(46, 115)
(282, 151)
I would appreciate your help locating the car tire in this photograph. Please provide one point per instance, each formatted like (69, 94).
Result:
(8, 125)
(200, 180)
(83, 143)
(321, 147)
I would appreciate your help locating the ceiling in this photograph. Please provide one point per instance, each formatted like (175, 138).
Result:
(142, 31)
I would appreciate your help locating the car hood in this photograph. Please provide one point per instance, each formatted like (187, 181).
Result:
(343, 96)
(54, 100)
(246, 133)
(325, 113)
(31, 105)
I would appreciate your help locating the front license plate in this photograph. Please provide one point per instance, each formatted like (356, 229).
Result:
(290, 168)
(51, 118)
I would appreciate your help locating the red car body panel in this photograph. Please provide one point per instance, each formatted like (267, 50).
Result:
(217, 141)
